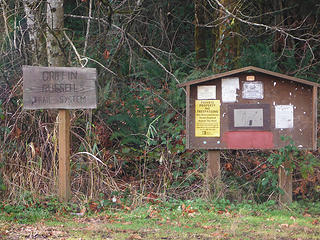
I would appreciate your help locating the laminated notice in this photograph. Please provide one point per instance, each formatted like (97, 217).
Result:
(229, 87)
(207, 92)
(284, 116)
(252, 90)
(207, 118)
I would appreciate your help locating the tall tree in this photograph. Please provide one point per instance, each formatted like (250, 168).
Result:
(227, 40)
(34, 19)
(55, 21)
(200, 36)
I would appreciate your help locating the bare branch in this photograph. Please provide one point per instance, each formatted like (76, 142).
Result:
(261, 25)
(88, 29)
(132, 38)
(150, 53)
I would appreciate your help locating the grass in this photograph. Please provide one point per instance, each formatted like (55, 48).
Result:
(170, 220)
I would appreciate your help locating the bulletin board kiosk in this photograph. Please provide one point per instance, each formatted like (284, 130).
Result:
(250, 108)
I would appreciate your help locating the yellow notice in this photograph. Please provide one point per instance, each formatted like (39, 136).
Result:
(207, 118)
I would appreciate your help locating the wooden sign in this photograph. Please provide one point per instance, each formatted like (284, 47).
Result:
(59, 88)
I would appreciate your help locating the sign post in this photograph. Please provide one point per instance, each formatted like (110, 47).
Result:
(64, 190)
(60, 88)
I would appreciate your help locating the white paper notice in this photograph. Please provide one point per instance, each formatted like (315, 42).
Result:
(207, 92)
(248, 117)
(252, 90)
(229, 88)
(284, 116)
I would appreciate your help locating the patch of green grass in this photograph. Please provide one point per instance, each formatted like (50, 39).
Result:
(32, 210)
(177, 220)
(22, 214)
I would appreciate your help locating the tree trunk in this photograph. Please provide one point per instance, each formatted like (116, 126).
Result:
(56, 59)
(227, 40)
(54, 33)
(200, 32)
(279, 39)
(31, 26)
(33, 13)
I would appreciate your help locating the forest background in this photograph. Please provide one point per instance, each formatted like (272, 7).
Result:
(133, 144)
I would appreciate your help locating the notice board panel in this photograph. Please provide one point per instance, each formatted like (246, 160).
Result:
(59, 88)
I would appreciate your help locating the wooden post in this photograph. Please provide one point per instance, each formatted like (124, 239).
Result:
(285, 183)
(213, 168)
(314, 117)
(213, 185)
(64, 190)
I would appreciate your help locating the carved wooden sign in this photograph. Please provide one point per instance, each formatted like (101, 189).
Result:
(59, 88)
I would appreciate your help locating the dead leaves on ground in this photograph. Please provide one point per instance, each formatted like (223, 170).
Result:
(40, 231)
(188, 211)
(135, 237)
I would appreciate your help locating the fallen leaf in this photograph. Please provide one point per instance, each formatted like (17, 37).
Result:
(81, 213)
(207, 227)
(106, 54)
(152, 197)
(135, 236)
(191, 210)
(191, 214)
(228, 214)
(284, 225)
(183, 207)
(17, 132)
(217, 234)
(228, 167)
(315, 222)
(126, 208)
(153, 214)
(93, 206)
(306, 229)
(295, 225)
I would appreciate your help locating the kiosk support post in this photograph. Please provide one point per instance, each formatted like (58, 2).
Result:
(213, 168)
(285, 183)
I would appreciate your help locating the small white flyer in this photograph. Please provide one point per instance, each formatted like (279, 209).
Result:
(229, 87)
(207, 92)
(252, 90)
(284, 116)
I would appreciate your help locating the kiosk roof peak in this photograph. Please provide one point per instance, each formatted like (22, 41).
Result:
(249, 69)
